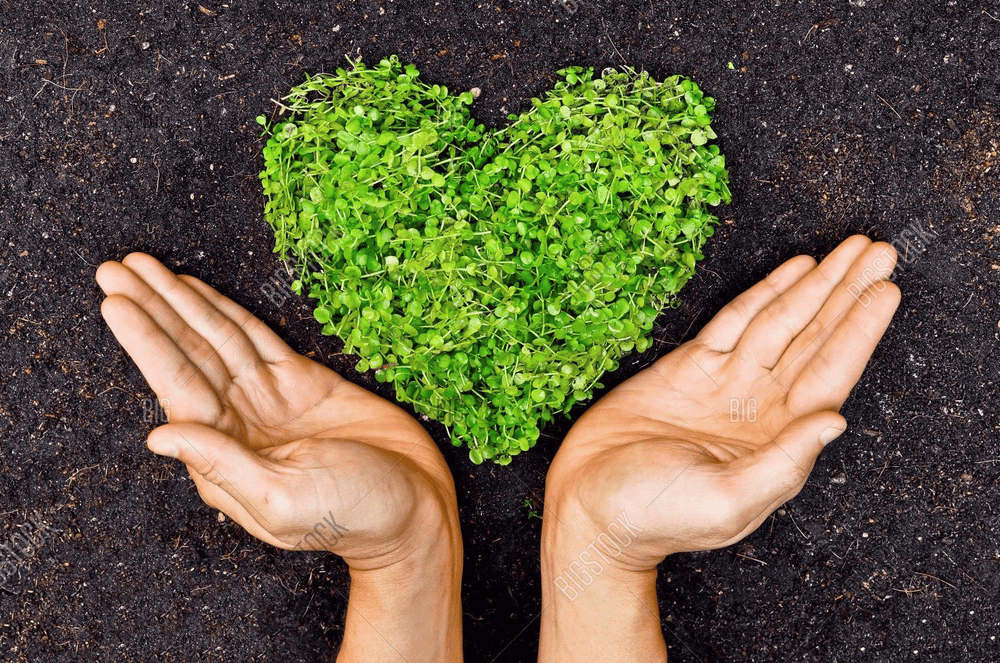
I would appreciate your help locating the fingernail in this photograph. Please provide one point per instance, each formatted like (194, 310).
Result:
(163, 448)
(829, 435)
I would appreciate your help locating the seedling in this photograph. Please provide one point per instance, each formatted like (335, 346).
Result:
(491, 277)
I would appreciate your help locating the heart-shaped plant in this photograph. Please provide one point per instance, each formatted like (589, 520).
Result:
(492, 276)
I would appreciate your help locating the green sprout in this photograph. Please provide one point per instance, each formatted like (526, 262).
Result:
(492, 277)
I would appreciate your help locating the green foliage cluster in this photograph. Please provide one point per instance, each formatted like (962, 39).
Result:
(492, 276)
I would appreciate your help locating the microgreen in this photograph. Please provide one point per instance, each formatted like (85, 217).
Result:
(492, 277)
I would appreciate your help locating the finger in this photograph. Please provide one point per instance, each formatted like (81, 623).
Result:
(269, 345)
(228, 474)
(219, 499)
(764, 515)
(725, 329)
(872, 267)
(778, 470)
(176, 380)
(117, 279)
(771, 332)
(827, 380)
(224, 335)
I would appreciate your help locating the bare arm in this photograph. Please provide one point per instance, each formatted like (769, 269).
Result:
(696, 451)
(299, 457)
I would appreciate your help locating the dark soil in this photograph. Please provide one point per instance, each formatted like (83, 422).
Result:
(130, 126)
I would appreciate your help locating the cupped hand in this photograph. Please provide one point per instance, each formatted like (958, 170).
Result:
(696, 451)
(298, 456)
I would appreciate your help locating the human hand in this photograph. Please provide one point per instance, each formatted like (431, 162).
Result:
(298, 456)
(701, 447)
(272, 439)
(696, 451)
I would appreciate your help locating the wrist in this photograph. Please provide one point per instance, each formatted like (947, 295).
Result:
(595, 599)
(577, 554)
(406, 604)
(430, 548)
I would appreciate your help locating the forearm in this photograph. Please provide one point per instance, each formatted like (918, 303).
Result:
(410, 611)
(593, 610)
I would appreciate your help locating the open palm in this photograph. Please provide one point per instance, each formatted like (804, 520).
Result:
(298, 456)
(701, 447)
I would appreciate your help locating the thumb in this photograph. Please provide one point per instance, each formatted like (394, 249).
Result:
(781, 467)
(215, 456)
